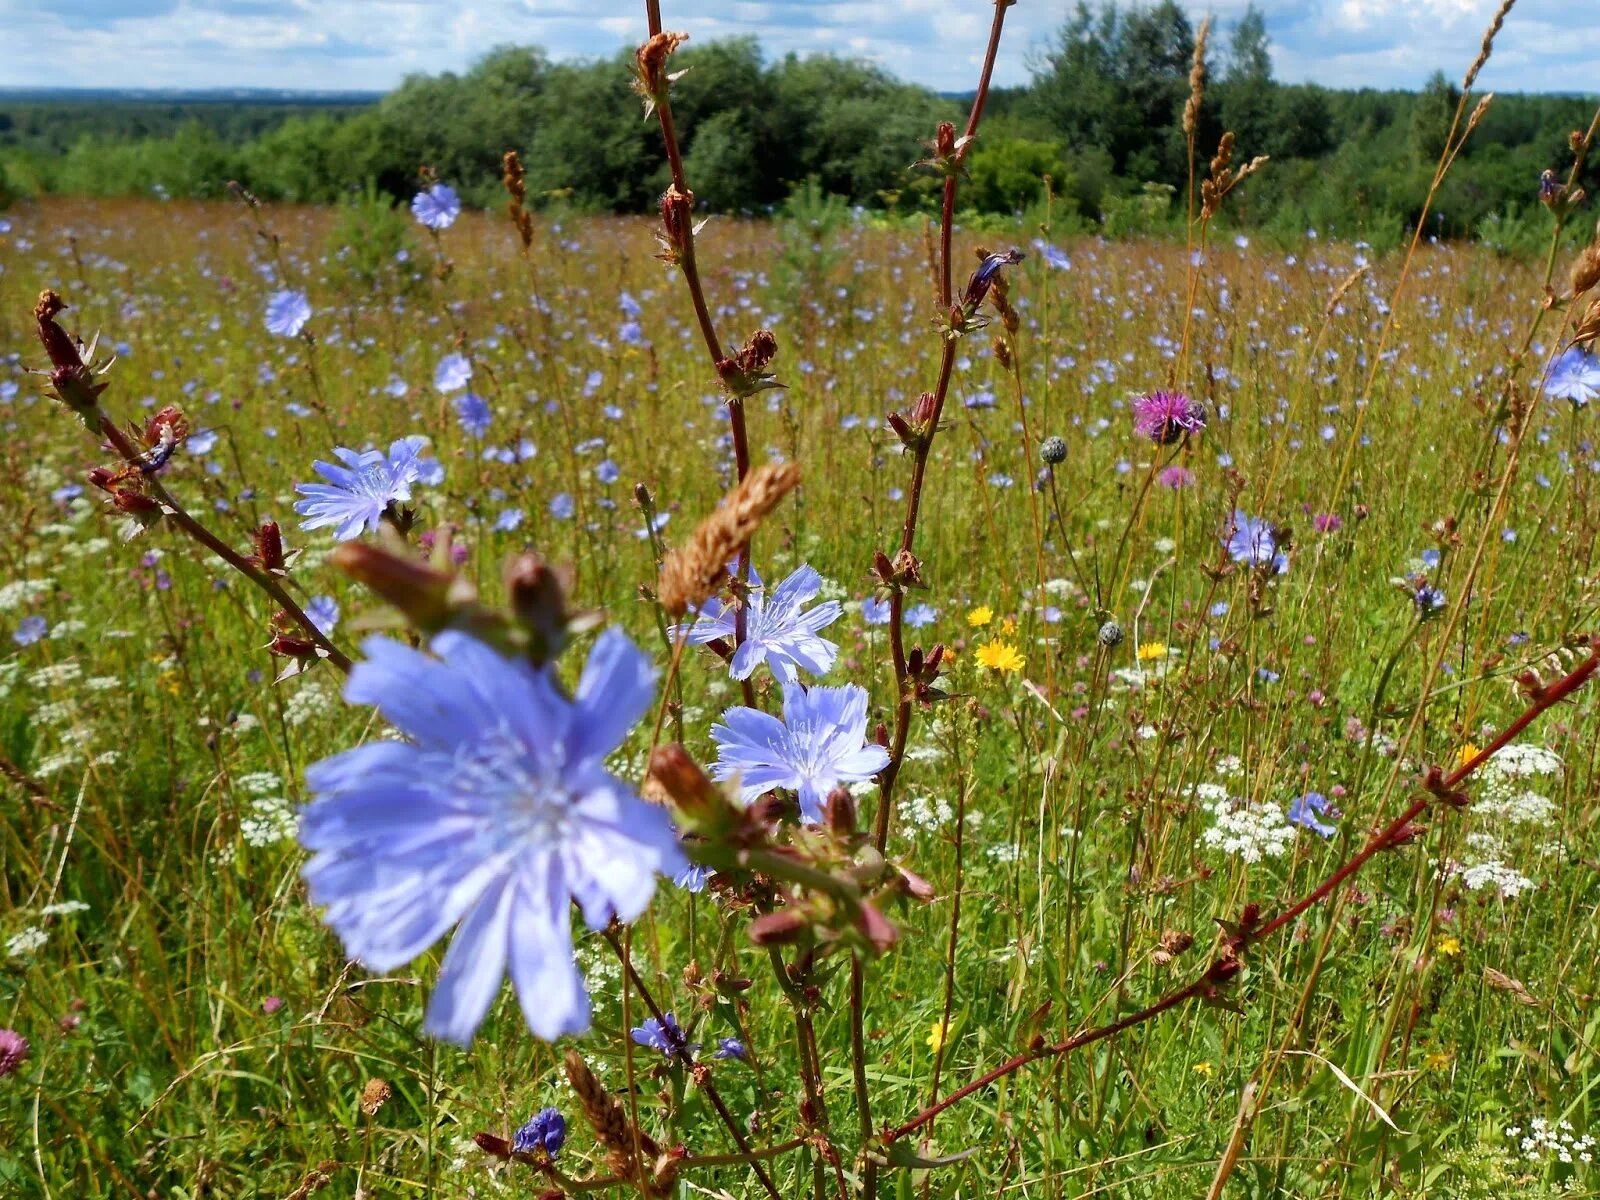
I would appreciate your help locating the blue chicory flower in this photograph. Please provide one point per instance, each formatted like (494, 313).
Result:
(546, 1130)
(1306, 811)
(777, 632)
(819, 744)
(357, 493)
(30, 630)
(1252, 541)
(287, 313)
(495, 813)
(437, 207)
(453, 373)
(664, 1036)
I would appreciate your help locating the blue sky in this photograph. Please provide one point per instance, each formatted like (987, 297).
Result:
(1547, 45)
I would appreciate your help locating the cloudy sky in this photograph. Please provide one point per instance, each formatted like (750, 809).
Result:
(1547, 45)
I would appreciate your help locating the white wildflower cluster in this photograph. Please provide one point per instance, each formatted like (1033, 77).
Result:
(63, 908)
(271, 820)
(1004, 853)
(20, 592)
(1493, 873)
(57, 674)
(1241, 828)
(258, 783)
(924, 814)
(1544, 1141)
(24, 944)
(310, 701)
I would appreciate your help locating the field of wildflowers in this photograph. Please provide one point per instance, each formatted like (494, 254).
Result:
(907, 713)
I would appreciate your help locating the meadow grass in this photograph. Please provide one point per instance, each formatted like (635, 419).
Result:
(193, 1028)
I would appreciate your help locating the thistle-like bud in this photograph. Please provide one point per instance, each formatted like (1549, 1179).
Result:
(1054, 450)
(1110, 635)
(745, 373)
(72, 366)
(269, 555)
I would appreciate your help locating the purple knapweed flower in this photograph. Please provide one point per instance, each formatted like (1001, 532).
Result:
(30, 630)
(547, 1131)
(13, 1052)
(1327, 522)
(776, 631)
(1166, 417)
(494, 815)
(357, 493)
(819, 744)
(1175, 477)
(1306, 811)
(1574, 376)
(437, 207)
(664, 1036)
(287, 313)
(1254, 542)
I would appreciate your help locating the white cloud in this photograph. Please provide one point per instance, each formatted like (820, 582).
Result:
(371, 44)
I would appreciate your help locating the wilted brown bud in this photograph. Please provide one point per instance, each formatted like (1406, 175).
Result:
(421, 593)
(269, 547)
(944, 140)
(1586, 270)
(745, 373)
(375, 1095)
(677, 221)
(652, 59)
(701, 804)
(779, 928)
(62, 350)
(285, 645)
(839, 812)
(538, 596)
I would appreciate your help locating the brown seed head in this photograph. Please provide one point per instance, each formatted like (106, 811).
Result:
(690, 573)
(375, 1095)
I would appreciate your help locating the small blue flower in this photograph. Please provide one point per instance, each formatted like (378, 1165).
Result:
(664, 1036)
(357, 493)
(875, 611)
(561, 506)
(492, 816)
(607, 472)
(1574, 376)
(1253, 541)
(546, 1131)
(777, 632)
(1306, 810)
(473, 412)
(730, 1047)
(287, 313)
(30, 630)
(508, 520)
(453, 373)
(437, 207)
(201, 441)
(693, 878)
(1428, 599)
(819, 744)
(324, 613)
(1055, 257)
(919, 615)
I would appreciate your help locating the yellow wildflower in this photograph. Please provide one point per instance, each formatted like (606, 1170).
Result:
(936, 1036)
(999, 656)
(1450, 946)
(980, 616)
(1149, 651)
(1007, 627)
(1203, 1068)
(1466, 754)
(1438, 1060)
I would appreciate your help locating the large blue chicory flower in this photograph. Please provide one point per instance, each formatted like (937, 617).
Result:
(776, 631)
(357, 493)
(1574, 376)
(495, 815)
(1252, 541)
(437, 207)
(817, 746)
(287, 313)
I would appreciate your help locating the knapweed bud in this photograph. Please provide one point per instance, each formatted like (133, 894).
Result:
(839, 812)
(944, 140)
(1054, 451)
(538, 595)
(1110, 635)
(13, 1052)
(72, 366)
(269, 547)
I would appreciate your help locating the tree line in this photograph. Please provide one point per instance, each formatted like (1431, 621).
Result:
(1101, 117)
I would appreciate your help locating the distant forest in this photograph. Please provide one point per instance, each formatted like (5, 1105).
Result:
(1101, 117)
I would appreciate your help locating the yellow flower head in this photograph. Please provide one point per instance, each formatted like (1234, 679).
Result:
(936, 1036)
(1150, 651)
(1437, 1060)
(1450, 946)
(980, 616)
(1007, 627)
(999, 656)
(1203, 1068)
(1466, 754)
